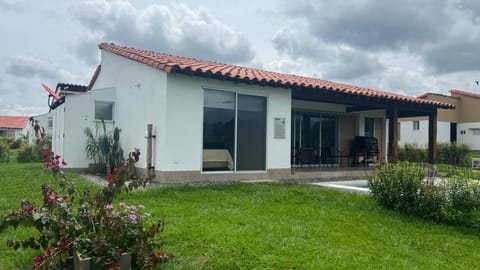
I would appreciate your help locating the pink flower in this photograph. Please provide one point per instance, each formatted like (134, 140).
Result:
(50, 198)
(64, 197)
(57, 157)
(133, 207)
(141, 206)
(122, 204)
(109, 178)
(109, 206)
(159, 254)
(133, 217)
(116, 170)
(64, 163)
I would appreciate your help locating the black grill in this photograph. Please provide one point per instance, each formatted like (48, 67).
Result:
(364, 150)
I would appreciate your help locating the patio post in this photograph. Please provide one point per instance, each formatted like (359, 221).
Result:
(393, 135)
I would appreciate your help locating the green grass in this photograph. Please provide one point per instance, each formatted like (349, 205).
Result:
(271, 226)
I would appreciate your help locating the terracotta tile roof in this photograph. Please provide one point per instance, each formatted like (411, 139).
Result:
(177, 64)
(18, 122)
(463, 93)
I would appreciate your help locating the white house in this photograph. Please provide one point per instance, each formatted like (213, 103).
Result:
(13, 126)
(461, 125)
(217, 122)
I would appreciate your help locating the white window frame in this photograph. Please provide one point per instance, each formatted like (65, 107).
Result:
(103, 103)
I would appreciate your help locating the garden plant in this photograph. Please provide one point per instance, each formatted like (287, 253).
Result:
(92, 225)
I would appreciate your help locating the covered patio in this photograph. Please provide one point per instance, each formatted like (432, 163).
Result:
(342, 130)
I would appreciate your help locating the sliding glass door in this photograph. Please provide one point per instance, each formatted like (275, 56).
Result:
(234, 132)
(314, 138)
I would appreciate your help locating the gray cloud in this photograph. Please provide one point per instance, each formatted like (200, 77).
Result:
(296, 42)
(373, 24)
(442, 32)
(11, 5)
(454, 56)
(175, 29)
(28, 66)
(350, 64)
(335, 62)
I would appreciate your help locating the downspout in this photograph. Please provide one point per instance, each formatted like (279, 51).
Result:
(150, 167)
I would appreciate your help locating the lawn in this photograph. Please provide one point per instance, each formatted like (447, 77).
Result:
(271, 226)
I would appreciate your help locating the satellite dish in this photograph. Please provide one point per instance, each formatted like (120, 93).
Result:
(51, 92)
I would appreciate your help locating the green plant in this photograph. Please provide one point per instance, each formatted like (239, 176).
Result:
(77, 219)
(447, 153)
(15, 144)
(404, 187)
(104, 150)
(33, 152)
(4, 152)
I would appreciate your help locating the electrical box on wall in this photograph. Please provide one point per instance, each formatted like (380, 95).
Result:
(476, 163)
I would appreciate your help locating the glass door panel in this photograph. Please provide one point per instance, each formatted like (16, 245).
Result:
(218, 131)
(251, 133)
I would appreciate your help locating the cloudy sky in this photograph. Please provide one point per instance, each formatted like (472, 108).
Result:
(407, 47)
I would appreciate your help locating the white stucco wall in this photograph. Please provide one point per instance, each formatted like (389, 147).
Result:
(184, 131)
(140, 93)
(139, 99)
(466, 133)
(420, 136)
(58, 130)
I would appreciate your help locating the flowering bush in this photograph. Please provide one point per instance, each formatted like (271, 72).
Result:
(96, 228)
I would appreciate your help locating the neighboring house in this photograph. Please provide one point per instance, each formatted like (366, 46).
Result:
(58, 110)
(218, 122)
(40, 126)
(461, 125)
(13, 126)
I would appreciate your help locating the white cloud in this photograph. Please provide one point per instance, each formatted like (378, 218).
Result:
(174, 28)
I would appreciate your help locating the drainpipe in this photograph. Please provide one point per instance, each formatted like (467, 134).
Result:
(150, 137)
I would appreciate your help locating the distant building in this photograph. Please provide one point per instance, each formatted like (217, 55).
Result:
(13, 126)
(461, 125)
(40, 126)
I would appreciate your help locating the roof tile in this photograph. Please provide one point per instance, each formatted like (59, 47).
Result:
(18, 122)
(171, 63)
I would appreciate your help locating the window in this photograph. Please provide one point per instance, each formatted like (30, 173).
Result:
(234, 132)
(369, 127)
(103, 110)
(475, 131)
(3, 132)
(416, 125)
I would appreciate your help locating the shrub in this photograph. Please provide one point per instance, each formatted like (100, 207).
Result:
(16, 143)
(447, 153)
(70, 220)
(33, 152)
(4, 152)
(403, 187)
(412, 153)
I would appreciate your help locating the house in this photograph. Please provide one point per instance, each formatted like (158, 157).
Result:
(221, 122)
(13, 126)
(58, 111)
(461, 125)
(40, 126)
